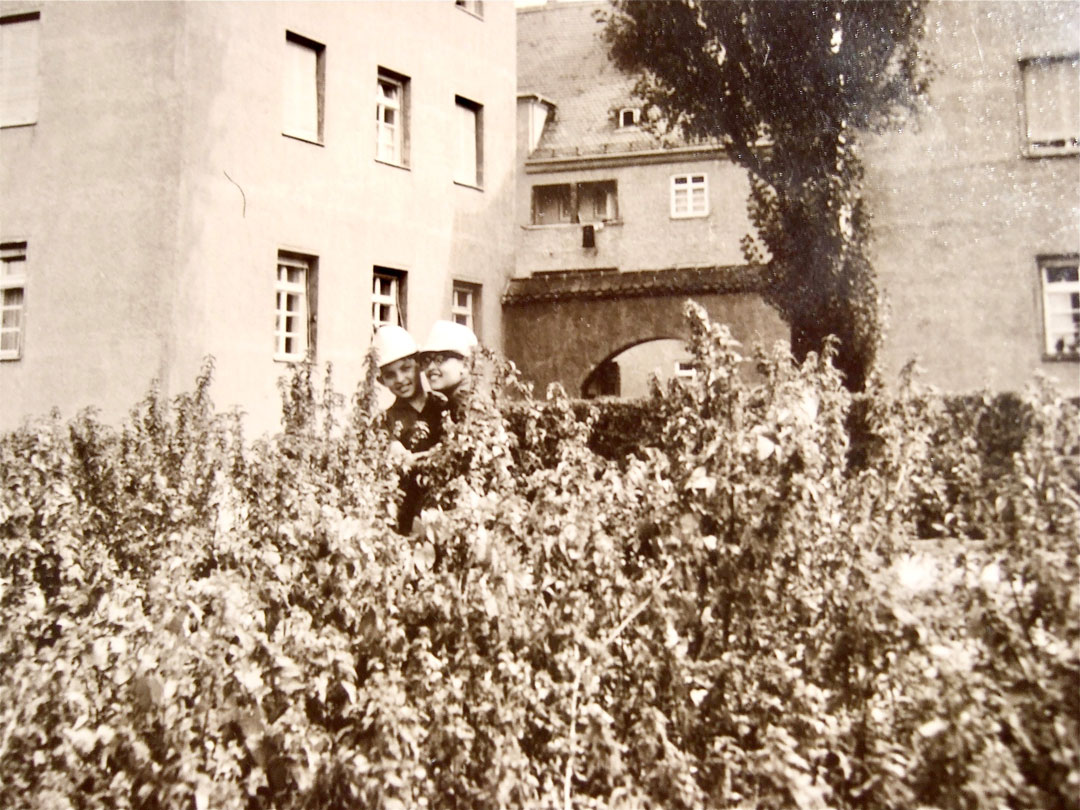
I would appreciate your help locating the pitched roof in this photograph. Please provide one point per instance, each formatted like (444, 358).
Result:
(562, 57)
(611, 283)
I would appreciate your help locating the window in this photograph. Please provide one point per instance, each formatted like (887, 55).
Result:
(304, 73)
(295, 293)
(469, 157)
(689, 195)
(474, 7)
(387, 297)
(595, 201)
(465, 304)
(1051, 105)
(629, 117)
(391, 118)
(551, 204)
(685, 370)
(19, 69)
(1061, 305)
(12, 298)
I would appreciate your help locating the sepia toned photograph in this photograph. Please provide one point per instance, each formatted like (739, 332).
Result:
(550, 404)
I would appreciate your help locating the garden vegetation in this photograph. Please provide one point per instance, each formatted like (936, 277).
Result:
(735, 611)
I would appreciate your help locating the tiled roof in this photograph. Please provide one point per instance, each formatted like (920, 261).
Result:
(562, 57)
(610, 283)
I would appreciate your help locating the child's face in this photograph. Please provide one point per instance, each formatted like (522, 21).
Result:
(402, 377)
(445, 370)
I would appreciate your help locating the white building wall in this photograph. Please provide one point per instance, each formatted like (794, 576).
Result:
(202, 190)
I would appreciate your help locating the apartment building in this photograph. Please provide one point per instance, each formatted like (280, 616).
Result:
(608, 213)
(977, 202)
(259, 182)
(976, 206)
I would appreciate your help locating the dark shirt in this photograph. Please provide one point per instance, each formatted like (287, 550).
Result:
(457, 400)
(417, 430)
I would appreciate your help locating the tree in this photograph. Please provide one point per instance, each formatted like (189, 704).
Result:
(787, 87)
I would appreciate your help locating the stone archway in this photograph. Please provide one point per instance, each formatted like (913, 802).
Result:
(559, 327)
(634, 367)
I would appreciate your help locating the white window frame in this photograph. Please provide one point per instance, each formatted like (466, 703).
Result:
(392, 300)
(1050, 112)
(685, 370)
(685, 204)
(13, 254)
(20, 53)
(464, 300)
(1061, 305)
(635, 117)
(302, 89)
(469, 147)
(396, 135)
(289, 291)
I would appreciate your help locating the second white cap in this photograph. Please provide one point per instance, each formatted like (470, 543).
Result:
(447, 336)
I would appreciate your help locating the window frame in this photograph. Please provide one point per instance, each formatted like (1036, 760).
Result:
(1051, 291)
(685, 371)
(610, 190)
(396, 300)
(560, 200)
(307, 291)
(319, 50)
(691, 212)
(569, 197)
(471, 310)
(477, 110)
(401, 136)
(13, 251)
(27, 114)
(635, 117)
(1069, 142)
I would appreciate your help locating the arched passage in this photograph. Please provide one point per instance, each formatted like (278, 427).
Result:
(560, 327)
(626, 371)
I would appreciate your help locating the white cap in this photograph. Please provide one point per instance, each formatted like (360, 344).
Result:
(392, 343)
(447, 336)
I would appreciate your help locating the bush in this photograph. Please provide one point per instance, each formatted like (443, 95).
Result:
(731, 613)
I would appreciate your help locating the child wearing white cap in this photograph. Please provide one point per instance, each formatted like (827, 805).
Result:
(447, 358)
(414, 420)
(415, 417)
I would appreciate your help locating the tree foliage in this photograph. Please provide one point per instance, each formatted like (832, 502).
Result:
(787, 88)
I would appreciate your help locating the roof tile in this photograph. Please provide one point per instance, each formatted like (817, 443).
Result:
(562, 57)
(611, 283)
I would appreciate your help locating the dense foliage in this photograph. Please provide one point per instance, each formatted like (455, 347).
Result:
(788, 88)
(735, 616)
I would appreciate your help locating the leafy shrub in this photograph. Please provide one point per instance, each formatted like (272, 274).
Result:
(730, 613)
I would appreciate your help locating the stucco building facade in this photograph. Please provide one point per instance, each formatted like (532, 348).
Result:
(609, 213)
(251, 181)
(976, 203)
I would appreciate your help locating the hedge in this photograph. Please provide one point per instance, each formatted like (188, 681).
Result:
(728, 615)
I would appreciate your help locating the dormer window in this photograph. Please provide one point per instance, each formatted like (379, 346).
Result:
(629, 117)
